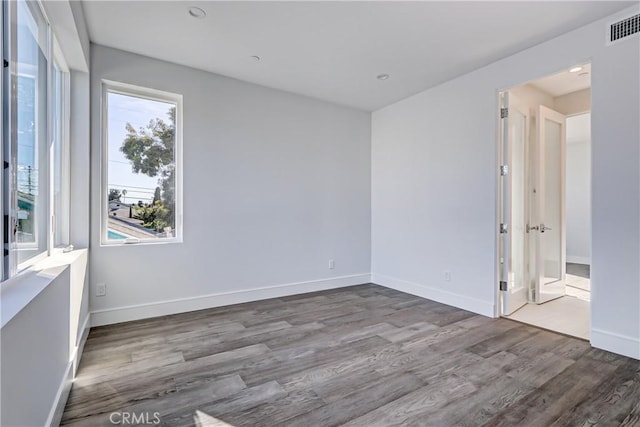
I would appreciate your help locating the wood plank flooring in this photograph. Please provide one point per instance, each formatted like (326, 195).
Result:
(358, 356)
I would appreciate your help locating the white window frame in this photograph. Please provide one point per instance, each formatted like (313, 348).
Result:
(110, 86)
(65, 150)
(9, 267)
(3, 127)
(12, 266)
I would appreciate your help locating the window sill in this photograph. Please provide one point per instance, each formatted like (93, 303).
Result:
(165, 241)
(17, 292)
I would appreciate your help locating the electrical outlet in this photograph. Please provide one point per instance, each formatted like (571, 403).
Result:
(101, 289)
(447, 276)
(332, 264)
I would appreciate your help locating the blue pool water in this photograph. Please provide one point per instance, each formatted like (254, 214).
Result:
(114, 235)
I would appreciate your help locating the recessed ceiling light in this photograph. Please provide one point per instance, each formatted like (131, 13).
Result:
(256, 58)
(575, 69)
(197, 13)
(382, 76)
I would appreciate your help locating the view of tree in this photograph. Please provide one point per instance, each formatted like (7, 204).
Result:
(114, 195)
(150, 150)
(155, 216)
(157, 195)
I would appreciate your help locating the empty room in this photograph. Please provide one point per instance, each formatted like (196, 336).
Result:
(320, 213)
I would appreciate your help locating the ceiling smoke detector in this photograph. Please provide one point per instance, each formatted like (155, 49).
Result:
(196, 12)
(382, 76)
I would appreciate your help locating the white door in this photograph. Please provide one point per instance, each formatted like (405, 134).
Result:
(548, 203)
(514, 205)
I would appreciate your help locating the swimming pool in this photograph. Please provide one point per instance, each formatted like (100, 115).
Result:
(114, 235)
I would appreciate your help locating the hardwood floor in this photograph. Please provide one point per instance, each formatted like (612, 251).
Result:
(358, 356)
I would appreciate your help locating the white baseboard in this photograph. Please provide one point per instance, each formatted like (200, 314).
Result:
(55, 415)
(162, 308)
(474, 305)
(579, 259)
(616, 343)
(86, 326)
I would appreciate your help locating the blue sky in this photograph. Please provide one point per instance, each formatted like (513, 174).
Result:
(123, 109)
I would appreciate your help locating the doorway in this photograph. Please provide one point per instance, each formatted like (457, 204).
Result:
(545, 210)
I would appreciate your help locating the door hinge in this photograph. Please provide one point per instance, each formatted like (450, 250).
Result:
(504, 113)
(5, 63)
(504, 170)
(503, 228)
(503, 285)
(5, 164)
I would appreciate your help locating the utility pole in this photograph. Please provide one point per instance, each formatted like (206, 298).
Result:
(29, 185)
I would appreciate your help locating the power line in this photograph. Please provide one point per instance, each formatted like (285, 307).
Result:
(131, 186)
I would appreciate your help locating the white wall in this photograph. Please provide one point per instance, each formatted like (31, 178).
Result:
(434, 180)
(45, 312)
(578, 177)
(35, 353)
(275, 185)
(43, 330)
(573, 103)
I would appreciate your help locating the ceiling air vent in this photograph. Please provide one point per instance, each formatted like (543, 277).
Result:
(624, 28)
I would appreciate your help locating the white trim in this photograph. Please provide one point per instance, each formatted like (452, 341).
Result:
(86, 327)
(181, 305)
(111, 86)
(60, 401)
(615, 343)
(579, 259)
(55, 415)
(485, 308)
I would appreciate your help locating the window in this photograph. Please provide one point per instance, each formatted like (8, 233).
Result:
(61, 162)
(30, 143)
(141, 165)
(32, 136)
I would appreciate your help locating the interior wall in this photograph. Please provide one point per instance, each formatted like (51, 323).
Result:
(275, 185)
(42, 342)
(434, 180)
(35, 355)
(577, 102)
(531, 97)
(80, 177)
(578, 178)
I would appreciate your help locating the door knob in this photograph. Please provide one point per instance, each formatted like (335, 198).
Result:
(544, 228)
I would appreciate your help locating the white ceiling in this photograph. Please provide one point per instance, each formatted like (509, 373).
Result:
(565, 82)
(335, 50)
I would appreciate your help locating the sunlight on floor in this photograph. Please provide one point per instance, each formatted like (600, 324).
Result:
(578, 287)
(205, 420)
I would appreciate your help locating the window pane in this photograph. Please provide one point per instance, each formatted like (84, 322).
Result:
(31, 132)
(60, 161)
(141, 168)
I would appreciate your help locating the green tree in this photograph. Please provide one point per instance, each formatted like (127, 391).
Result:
(157, 195)
(155, 216)
(114, 195)
(150, 150)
